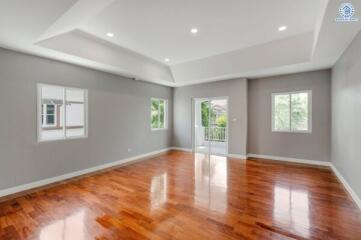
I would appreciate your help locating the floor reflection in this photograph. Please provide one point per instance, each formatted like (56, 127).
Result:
(211, 182)
(69, 228)
(291, 210)
(158, 191)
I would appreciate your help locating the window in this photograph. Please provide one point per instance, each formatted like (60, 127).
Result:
(291, 112)
(158, 114)
(48, 114)
(62, 113)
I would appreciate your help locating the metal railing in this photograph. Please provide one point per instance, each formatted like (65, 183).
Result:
(215, 134)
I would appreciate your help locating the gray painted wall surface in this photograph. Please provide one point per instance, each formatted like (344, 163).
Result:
(261, 139)
(119, 118)
(236, 90)
(346, 115)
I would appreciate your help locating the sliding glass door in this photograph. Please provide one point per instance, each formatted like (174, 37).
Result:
(210, 126)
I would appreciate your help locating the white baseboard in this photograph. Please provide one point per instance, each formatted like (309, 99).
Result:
(239, 156)
(47, 181)
(182, 149)
(287, 159)
(353, 194)
(226, 155)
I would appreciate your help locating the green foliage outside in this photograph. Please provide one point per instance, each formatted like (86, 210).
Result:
(282, 112)
(299, 114)
(205, 114)
(294, 117)
(216, 132)
(157, 113)
(221, 120)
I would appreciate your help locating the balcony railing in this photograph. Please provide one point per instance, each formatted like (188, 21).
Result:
(215, 134)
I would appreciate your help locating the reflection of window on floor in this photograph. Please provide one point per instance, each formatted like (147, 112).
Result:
(158, 190)
(62, 112)
(69, 228)
(291, 210)
(211, 184)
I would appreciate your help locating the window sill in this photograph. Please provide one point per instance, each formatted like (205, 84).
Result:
(61, 139)
(159, 129)
(276, 131)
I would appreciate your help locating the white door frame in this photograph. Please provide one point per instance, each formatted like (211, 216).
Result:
(194, 99)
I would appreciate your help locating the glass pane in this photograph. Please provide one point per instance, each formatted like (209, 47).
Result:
(218, 126)
(155, 112)
(282, 112)
(51, 121)
(75, 113)
(299, 114)
(50, 109)
(205, 113)
(219, 120)
(162, 113)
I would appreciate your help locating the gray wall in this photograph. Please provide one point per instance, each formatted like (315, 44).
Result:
(346, 115)
(235, 90)
(119, 118)
(261, 139)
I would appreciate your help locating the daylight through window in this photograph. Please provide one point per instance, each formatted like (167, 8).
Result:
(62, 112)
(291, 112)
(158, 113)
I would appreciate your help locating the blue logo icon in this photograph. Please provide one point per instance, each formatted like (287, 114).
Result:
(346, 12)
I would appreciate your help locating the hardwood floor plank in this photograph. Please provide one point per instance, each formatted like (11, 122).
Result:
(181, 195)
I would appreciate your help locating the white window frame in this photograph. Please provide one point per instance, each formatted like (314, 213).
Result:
(309, 92)
(39, 112)
(165, 114)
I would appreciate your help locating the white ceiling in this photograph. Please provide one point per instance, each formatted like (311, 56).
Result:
(161, 28)
(237, 38)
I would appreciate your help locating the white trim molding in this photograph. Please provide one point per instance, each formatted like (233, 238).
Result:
(349, 189)
(287, 159)
(44, 182)
(231, 155)
(182, 149)
(238, 156)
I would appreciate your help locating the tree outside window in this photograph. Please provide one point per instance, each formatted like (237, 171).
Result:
(291, 112)
(158, 113)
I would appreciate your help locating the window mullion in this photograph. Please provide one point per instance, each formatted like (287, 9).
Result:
(158, 125)
(64, 109)
(290, 112)
(165, 115)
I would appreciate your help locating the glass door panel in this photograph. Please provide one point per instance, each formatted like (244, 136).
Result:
(210, 126)
(218, 126)
(201, 123)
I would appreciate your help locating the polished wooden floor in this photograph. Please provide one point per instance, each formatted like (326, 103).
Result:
(179, 195)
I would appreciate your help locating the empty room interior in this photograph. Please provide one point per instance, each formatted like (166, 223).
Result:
(159, 119)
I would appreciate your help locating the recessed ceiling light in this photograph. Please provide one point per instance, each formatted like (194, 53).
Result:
(110, 34)
(194, 30)
(282, 28)
(166, 60)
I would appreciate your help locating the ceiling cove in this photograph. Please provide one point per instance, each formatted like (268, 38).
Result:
(177, 43)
